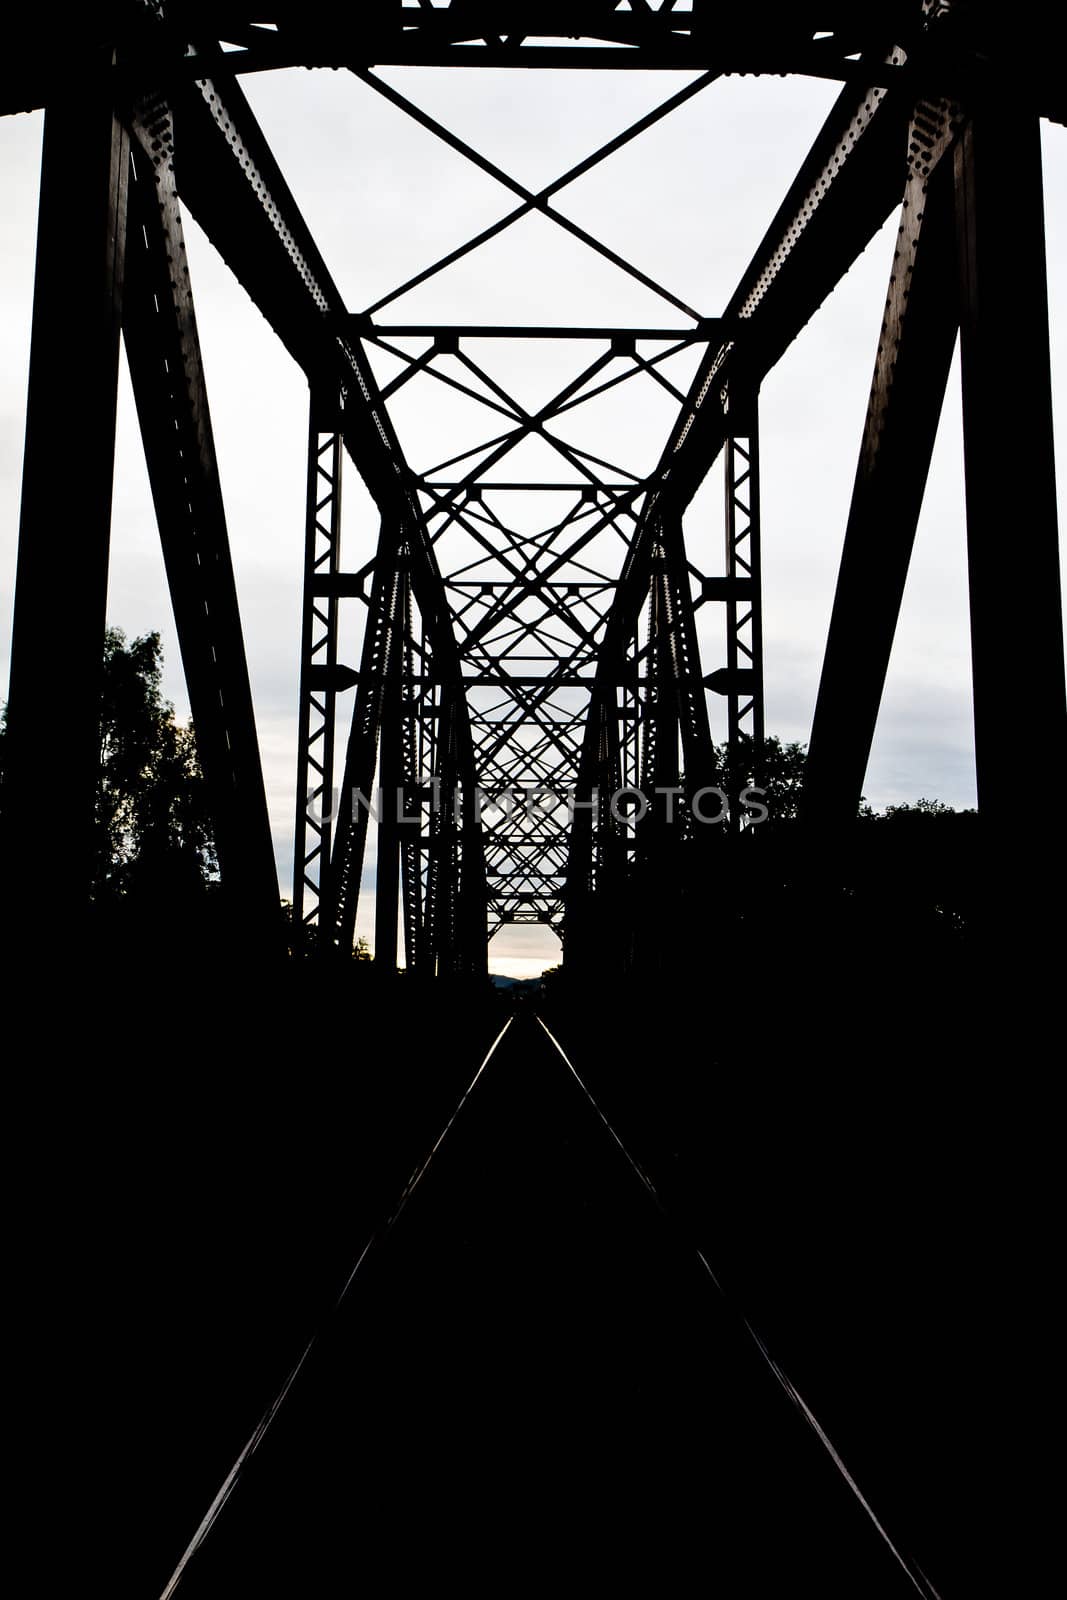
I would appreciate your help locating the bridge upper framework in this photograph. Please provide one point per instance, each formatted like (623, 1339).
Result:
(509, 677)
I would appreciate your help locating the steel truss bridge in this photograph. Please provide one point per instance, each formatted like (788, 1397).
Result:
(503, 661)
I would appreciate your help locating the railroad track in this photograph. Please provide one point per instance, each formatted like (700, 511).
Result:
(531, 1363)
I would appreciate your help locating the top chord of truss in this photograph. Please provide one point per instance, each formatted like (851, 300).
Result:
(832, 39)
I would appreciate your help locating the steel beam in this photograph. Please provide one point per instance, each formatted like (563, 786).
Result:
(397, 784)
(849, 182)
(339, 905)
(412, 839)
(1019, 704)
(168, 382)
(656, 834)
(52, 754)
(819, 40)
(319, 680)
(911, 370)
(232, 184)
(594, 935)
(694, 728)
(391, 789)
(846, 187)
(744, 582)
(447, 337)
(231, 181)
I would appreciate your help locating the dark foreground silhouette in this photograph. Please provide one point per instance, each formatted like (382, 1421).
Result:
(532, 1378)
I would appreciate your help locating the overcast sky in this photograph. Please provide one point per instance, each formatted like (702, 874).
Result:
(688, 202)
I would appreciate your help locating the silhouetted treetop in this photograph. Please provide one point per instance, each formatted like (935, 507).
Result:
(153, 827)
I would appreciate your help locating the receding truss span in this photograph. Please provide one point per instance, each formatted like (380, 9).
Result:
(530, 670)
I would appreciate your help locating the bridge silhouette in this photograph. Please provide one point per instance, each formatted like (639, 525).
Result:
(549, 1359)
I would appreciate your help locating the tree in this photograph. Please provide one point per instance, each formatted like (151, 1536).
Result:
(778, 769)
(774, 767)
(153, 825)
(154, 860)
(923, 808)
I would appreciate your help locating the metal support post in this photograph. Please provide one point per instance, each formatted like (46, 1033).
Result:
(64, 534)
(911, 370)
(744, 605)
(318, 671)
(166, 369)
(1012, 548)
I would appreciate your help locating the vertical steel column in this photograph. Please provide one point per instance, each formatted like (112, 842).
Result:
(598, 909)
(442, 887)
(629, 716)
(411, 826)
(1012, 550)
(743, 678)
(318, 671)
(382, 647)
(473, 887)
(652, 896)
(420, 744)
(678, 755)
(683, 660)
(744, 605)
(653, 705)
(57, 641)
(581, 854)
(617, 753)
(391, 796)
(432, 723)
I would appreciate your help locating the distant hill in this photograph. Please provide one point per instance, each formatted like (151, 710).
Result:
(513, 983)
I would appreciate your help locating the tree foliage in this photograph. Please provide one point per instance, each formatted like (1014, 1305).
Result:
(153, 841)
(774, 767)
(778, 769)
(153, 826)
